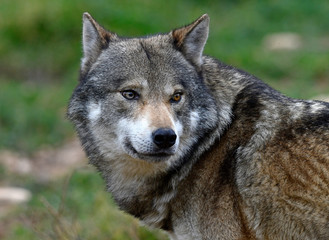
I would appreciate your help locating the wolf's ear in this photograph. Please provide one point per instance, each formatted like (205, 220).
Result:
(94, 39)
(192, 38)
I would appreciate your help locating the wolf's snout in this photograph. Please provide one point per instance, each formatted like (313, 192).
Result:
(164, 137)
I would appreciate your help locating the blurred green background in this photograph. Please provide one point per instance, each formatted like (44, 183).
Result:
(40, 51)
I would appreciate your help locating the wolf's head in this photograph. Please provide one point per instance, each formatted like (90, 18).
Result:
(142, 98)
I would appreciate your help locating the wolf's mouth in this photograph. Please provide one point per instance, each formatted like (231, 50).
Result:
(156, 156)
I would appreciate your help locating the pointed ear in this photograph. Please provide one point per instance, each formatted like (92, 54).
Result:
(94, 39)
(192, 38)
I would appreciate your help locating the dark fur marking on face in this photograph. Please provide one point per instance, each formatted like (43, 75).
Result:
(146, 51)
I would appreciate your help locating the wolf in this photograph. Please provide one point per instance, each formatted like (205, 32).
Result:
(198, 148)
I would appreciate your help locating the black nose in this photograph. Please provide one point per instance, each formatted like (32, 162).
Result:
(164, 137)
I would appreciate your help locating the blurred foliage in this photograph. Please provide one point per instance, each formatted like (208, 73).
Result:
(82, 210)
(32, 116)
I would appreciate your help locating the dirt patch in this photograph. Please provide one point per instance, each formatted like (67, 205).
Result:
(46, 164)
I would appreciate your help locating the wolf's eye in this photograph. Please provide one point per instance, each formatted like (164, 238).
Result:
(130, 95)
(176, 97)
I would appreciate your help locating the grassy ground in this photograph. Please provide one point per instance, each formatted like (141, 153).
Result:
(76, 207)
(40, 46)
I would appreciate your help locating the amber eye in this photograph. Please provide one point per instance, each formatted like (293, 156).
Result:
(176, 97)
(130, 95)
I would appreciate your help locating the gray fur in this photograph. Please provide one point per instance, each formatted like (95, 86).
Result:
(230, 128)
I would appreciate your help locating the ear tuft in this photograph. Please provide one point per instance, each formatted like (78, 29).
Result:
(192, 38)
(94, 39)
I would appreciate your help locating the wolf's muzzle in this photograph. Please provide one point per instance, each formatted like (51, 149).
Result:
(164, 138)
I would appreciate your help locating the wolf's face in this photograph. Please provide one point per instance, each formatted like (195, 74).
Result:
(144, 108)
(142, 98)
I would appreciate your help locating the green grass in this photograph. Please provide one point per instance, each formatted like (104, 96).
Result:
(74, 208)
(33, 115)
(40, 51)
